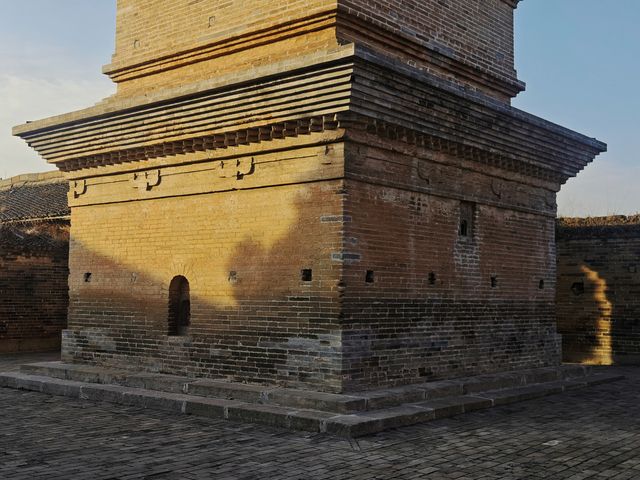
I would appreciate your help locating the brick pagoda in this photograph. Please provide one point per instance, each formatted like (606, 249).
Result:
(332, 195)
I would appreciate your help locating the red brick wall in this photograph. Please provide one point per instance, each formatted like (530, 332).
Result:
(33, 287)
(599, 289)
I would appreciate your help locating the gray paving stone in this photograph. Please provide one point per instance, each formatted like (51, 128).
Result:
(354, 425)
(231, 391)
(448, 407)
(402, 416)
(253, 403)
(316, 400)
(154, 400)
(309, 420)
(441, 389)
(262, 414)
(393, 397)
(154, 381)
(519, 394)
(490, 382)
(208, 407)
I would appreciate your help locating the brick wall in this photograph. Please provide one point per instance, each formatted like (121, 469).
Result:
(439, 304)
(156, 28)
(397, 295)
(599, 289)
(33, 285)
(242, 249)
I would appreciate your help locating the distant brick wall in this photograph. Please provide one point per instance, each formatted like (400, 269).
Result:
(33, 285)
(34, 253)
(599, 289)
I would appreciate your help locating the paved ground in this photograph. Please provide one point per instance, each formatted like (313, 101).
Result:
(593, 433)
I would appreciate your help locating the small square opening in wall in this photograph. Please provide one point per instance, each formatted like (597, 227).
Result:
(306, 275)
(541, 284)
(87, 277)
(494, 281)
(369, 276)
(432, 278)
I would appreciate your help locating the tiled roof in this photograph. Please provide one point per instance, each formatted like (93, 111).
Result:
(610, 221)
(33, 197)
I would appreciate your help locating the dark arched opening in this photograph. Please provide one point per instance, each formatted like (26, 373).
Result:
(464, 228)
(179, 306)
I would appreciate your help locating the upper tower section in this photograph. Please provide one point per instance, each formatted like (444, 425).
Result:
(468, 42)
(171, 43)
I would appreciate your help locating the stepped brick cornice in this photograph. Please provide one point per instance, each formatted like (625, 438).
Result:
(382, 94)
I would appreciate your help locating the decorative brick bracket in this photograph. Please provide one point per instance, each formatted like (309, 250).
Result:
(146, 180)
(79, 188)
(237, 168)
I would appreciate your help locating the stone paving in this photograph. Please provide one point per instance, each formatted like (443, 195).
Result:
(591, 433)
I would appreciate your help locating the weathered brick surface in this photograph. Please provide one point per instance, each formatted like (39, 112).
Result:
(599, 289)
(34, 247)
(467, 41)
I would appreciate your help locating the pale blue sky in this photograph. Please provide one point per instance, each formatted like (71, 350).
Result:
(580, 61)
(578, 57)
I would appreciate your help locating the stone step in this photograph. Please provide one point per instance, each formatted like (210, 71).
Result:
(355, 424)
(302, 399)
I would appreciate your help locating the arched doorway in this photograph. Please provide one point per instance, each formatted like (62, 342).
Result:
(179, 307)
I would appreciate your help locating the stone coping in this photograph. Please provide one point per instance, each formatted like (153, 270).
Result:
(345, 415)
(586, 228)
(271, 394)
(607, 221)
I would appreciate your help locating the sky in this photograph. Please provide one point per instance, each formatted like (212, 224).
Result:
(579, 59)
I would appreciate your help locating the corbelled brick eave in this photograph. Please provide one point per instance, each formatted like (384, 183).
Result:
(116, 104)
(311, 98)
